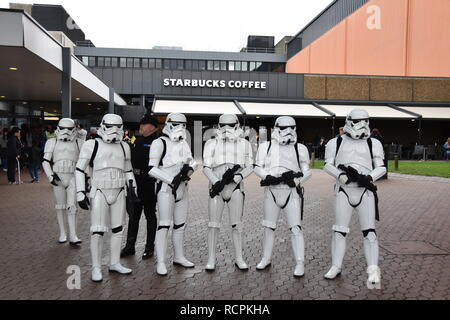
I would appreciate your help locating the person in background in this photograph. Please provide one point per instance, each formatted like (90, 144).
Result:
(82, 133)
(50, 132)
(321, 149)
(34, 161)
(140, 151)
(447, 149)
(126, 136)
(3, 148)
(14, 148)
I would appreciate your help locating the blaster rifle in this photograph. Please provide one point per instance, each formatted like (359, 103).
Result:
(227, 178)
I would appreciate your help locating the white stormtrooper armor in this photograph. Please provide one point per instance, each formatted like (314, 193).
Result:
(171, 163)
(356, 150)
(60, 157)
(112, 175)
(283, 155)
(228, 152)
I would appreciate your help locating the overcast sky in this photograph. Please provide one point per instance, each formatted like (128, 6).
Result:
(191, 24)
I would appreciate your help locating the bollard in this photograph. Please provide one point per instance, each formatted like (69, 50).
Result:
(396, 162)
(313, 158)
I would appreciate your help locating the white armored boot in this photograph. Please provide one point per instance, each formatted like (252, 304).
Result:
(115, 265)
(160, 246)
(269, 239)
(338, 244)
(212, 242)
(62, 229)
(96, 255)
(298, 246)
(178, 250)
(72, 221)
(371, 253)
(237, 241)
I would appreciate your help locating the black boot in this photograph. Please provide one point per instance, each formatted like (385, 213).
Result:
(128, 250)
(148, 252)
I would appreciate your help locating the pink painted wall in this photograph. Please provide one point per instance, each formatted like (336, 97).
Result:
(413, 40)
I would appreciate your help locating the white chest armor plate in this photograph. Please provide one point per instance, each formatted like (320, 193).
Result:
(65, 156)
(230, 152)
(109, 166)
(355, 153)
(177, 154)
(281, 158)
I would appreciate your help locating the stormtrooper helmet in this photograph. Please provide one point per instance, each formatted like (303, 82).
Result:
(111, 128)
(229, 128)
(284, 131)
(66, 130)
(175, 127)
(357, 124)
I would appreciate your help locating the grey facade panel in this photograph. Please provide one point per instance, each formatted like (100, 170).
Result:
(179, 54)
(326, 20)
(117, 80)
(150, 82)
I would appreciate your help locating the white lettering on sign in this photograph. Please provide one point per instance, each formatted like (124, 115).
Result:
(200, 83)
(374, 20)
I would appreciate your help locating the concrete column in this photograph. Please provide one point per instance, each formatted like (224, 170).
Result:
(198, 140)
(66, 84)
(111, 108)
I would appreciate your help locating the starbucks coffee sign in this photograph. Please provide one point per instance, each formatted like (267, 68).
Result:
(201, 83)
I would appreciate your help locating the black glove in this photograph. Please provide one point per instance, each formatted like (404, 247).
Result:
(84, 204)
(177, 180)
(269, 180)
(55, 179)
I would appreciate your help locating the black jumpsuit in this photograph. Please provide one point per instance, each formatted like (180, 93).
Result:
(145, 190)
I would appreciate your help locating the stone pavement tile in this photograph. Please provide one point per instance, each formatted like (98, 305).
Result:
(34, 264)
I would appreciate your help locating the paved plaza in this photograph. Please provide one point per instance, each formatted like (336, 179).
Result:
(413, 233)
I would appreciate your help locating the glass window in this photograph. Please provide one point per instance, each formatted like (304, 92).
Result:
(158, 63)
(166, 63)
(202, 65)
(123, 62)
(136, 63)
(91, 61)
(188, 64)
(129, 62)
(216, 65)
(223, 65)
(252, 65)
(85, 60)
(210, 65)
(180, 64)
(107, 61)
(144, 63)
(151, 63)
(231, 65)
(237, 66)
(173, 64)
(100, 61)
(114, 62)
(244, 66)
(258, 66)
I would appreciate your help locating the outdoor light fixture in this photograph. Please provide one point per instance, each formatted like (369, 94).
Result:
(24, 102)
(77, 99)
(89, 104)
(13, 68)
(2, 97)
(51, 118)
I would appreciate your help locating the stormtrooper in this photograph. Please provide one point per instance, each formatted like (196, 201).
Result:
(283, 166)
(227, 161)
(356, 161)
(172, 164)
(112, 181)
(60, 157)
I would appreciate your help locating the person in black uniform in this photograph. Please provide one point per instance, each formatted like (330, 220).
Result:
(140, 150)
